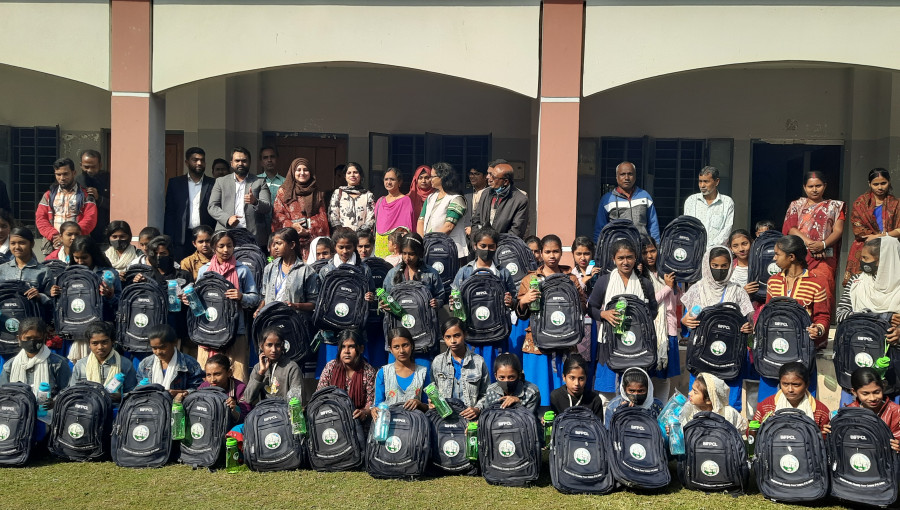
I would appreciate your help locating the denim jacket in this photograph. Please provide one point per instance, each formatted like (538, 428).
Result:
(33, 273)
(472, 383)
(189, 377)
(301, 282)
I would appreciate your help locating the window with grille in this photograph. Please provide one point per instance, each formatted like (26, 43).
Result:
(676, 166)
(32, 153)
(463, 152)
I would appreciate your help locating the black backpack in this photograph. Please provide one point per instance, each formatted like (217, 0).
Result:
(717, 345)
(206, 421)
(715, 458)
(560, 322)
(14, 308)
(407, 451)
(18, 412)
(638, 449)
(135, 269)
(612, 232)
(448, 440)
(509, 446)
(241, 236)
(580, 453)
(513, 254)
(296, 329)
(56, 267)
(252, 256)
(217, 328)
(864, 469)
(142, 433)
(336, 440)
(378, 269)
(81, 423)
(142, 306)
(780, 337)
(858, 342)
(487, 317)
(79, 302)
(269, 441)
(341, 303)
(791, 464)
(637, 347)
(761, 265)
(681, 249)
(418, 315)
(441, 255)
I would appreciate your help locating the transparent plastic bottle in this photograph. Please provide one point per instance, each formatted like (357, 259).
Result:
(194, 300)
(535, 305)
(174, 302)
(232, 456)
(145, 381)
(440, 405)
(472, 441)
(752, 430)
(177, 421)
(621, 306)
(115, 385)
(43, 396)
(456, 305)
(549, 416)
(389, 300)
(109, 278)
(676, 436)
(298, 420)
(382, 423)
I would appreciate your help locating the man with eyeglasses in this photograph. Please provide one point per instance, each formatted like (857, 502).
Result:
(503, 207)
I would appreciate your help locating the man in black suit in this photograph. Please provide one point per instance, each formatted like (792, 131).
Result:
(96, 184)
(502, 206)
(187, 203)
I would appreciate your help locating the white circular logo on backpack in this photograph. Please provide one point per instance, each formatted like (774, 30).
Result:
(4, 431)
(140, 433)
(863, 360)
(780, 345)
(718, 348)
(78, 305)
(408, 321)
(76, 430)
(197, 430)
(451, 448)
(558, 318)
(482, 313)
(709, 468)
(789, 464)
(680, 254)
(141, 320)
(438, 266)
(637, 451)
(12, 325)
(212, 314)
(287, 346)
(329, 437)
(628, 339)
(860, 463)
(341, 310)
(393, 444)
(773, 269)
(582, 456)
(507, 448)
(513, 268)
(273, 440)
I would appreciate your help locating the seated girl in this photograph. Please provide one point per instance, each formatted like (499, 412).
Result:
(35, 364)
(668, 363)
(275, 375)
(120, 252)
(635, 390)
(219, 374)
(351, 373)
(868, 393)
(793, 383)
(576, 392)
(511, 387)
(174, 370)
(709, 393)
(458, 372)
(103, 363)
(403, 381)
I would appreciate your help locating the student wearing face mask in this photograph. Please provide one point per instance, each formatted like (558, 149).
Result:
(121, 253)
(511, 387)
(35, 364)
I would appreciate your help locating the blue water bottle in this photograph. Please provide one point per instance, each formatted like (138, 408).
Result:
(109, 278)
(676, 436)
(145, 381)
(42, 397)
(196, 305)
(382, 423)
(174, 302)
(116, 384)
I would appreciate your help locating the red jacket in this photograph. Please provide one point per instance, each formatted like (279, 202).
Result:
(889, 414)
(86, 217)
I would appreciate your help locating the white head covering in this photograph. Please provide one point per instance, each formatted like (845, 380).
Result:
(709, 292)
(648, 402)
(718, 393)
(312, 250)
(880, 293)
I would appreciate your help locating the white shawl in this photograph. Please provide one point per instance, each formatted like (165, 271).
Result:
(21, 364)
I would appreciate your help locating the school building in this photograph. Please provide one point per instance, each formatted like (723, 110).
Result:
(563, 89)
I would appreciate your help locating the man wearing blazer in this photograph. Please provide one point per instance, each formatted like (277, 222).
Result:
(187, 203)
(238, 197)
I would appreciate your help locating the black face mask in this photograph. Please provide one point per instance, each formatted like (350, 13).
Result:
(32, 347)
(119, 244)
(165, 262)
(719, 275)
(510, 387)
(869, 267)
(637, 398)
(486, 256)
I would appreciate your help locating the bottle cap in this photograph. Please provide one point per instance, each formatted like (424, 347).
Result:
(120, 376)
(379, 291)
(549, 416)
(473, 425)
(754, 424)
(145, 381)
(44, 386)
(383, 406)
(294, 401)
(230, 441)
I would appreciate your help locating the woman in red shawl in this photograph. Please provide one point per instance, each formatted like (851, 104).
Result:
(419, 189)
(350, 372)
(875, 213)
(299, 205)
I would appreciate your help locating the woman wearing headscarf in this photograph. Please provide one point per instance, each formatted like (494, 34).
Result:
(875, 213)
(300, 205)
(419, 189)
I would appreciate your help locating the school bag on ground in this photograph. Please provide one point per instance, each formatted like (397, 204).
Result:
(637, 347)
(341, 303)
(295, 327)
(487, 317)
(448, 440)
(717, 345)
(580, 453)
(791, 464)
(715, 458)
(142, 306)
(612, 232)
(513, 254)
(14, 308)
(79, 302)
(18, 412)
(82, 422)
(251, 256)
(638, 450)
(441, 255)
(142, 432)
(864, 469)
(509, 446)
(858, 342)
(378, 269)
(269, 441)
(336, 440)
(780, 337)
(761, 265)
(207, 420)
(133, 270)
(406, 452)
(681, 249)
(418, 315)
(560, 322)
(217, 328)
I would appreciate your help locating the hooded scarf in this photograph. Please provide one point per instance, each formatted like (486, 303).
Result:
(417, 195)
(880, 293)
(307, 194)
(709, 292)
(648, 402)
(311, 258)
(718, 396)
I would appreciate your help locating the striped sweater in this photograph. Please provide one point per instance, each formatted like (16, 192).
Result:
(809, 291)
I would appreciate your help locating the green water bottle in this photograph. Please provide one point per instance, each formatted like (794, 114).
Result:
(440, 405)
(881, 365)
(472, 441)
(752, 429)
(549, 416)
(232, 456)
(535, 284)
(621, 306)
(298, 420)
(177, 421)
(389, 300)
(456, 305)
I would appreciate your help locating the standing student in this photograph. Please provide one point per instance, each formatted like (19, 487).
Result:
(203, 253)
(444, 209)
(459, 372)
(709, 393)
(403, 381)
(103, 364)
(534, 244)
(352, 206)
(793, 393)
(68, 231)
(220, 375)
(321, 248)
(741, 242)
(275, 375)
(351, 373)
(392, 211)
(173, 370)
(511, 387)
(576, 391)
(668, 363)
(394, 246)
(366, 244)
(419, 189)
(875, 213)
(761, 226)
(298, 204)
(635, 390)
(120, 252)
(287, 278)
(582, 254)
(868, 393)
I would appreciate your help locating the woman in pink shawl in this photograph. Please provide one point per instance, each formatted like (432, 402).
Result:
(391, 212)
(419, 189)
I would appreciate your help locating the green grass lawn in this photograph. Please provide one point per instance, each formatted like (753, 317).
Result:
(49, 484)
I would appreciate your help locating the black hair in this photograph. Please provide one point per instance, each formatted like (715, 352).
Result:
(550, 238)
(150, 232)
(242, 150)
(508, 359)
(220, 359)
(61, 162)
(270, 330)
(7, 217)
(116, 225)
(327, 241)
(193, 150)
(359, 168)
(769, 224)
(154, 245)
(622, 244)
(218, 236)
(268, 148)
(98, 328)
(720, 251)
(874, 246)
(399, 332)
(220, 161)
(879, 172)
(66, 225)
(703, 386)
(368, 234)
(415, 243)
(357, 338)
(793, 245)
(90, 153)
(86, 244)
(162, 332)
(397, 173)
(738, 232)
(24, 233)
(635, 377)
(583, 241)
(447, 176)
(796, 368)
(532, 239)
(575, 361)
(481, 233)
(33, 324)
(452, 322)
(646, 242)
(201, 229)
(814, 174)
(289, 235)
(345, 234)
(865, 376)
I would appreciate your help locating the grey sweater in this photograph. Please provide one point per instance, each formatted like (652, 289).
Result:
(287, 375)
